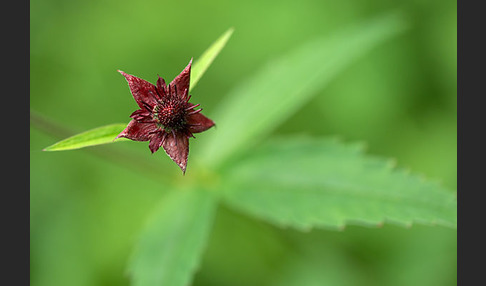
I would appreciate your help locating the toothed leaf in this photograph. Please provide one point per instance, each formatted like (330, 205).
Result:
(324, 183)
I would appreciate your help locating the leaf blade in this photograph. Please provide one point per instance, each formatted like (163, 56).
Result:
(171, 244)
(97, 136)
(309, 183)
(207, 58)
(283, 85)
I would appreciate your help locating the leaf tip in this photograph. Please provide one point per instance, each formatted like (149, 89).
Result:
(49, 148)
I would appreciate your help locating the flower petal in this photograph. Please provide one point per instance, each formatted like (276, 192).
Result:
(176, 145)
(161, 87)
(181, 82)
(144, 92)
(138, 131)
(198, 123)
(142, 115)
(156, 140)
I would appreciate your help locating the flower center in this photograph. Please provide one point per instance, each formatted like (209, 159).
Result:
(171, 114)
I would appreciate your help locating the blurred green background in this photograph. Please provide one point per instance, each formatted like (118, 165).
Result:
(86, 211)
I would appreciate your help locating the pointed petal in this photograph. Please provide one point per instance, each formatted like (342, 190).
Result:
(138, 131)
(177, 147)
(162, 87)
(198, 123)
(156, 141)
(181, 82)
(143, 91)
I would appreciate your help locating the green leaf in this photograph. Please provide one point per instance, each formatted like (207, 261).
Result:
(207, 58)
(97, 136)
(172, 243)
(324, 183)
(281, 87)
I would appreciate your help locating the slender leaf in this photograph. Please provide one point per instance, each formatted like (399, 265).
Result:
(324, 183)
(207, 58)
(282, 86)
(171, 244)
(97, 136)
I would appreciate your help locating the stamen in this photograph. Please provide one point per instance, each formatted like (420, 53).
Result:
(149, 109)
(194, 106)
(185, 93)
(187, 100)
(159, 96)
(195, 111)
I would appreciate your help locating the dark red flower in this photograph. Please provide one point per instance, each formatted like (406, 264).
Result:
(166, 117)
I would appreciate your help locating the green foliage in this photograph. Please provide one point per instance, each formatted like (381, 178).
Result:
(172, 242)
(101, 135)
(207, 58)
(283, 85)
(307, 183)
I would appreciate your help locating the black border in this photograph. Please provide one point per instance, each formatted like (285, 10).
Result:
(470, 75)
(15, 201)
